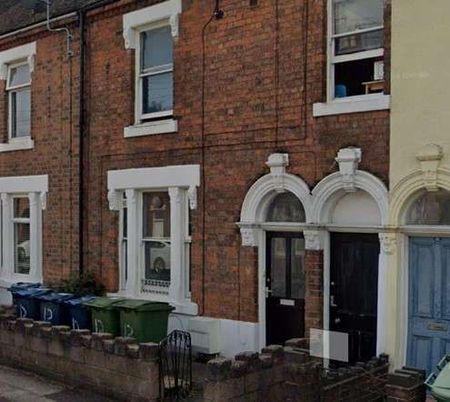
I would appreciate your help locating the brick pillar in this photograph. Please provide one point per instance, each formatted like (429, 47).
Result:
(313, 290)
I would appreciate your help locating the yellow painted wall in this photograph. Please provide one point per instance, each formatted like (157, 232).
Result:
(420, 99)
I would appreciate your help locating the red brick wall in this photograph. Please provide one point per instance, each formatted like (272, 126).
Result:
(262, 77)
(54, 120)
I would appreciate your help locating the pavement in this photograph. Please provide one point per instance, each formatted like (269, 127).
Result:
(19, 385)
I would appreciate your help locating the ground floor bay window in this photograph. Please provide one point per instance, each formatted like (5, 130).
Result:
(154, 235)
(22, 201)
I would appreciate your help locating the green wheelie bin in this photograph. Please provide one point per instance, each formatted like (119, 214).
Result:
(105, 316)
(143, 320)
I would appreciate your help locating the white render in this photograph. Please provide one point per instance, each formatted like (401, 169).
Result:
(210, 335)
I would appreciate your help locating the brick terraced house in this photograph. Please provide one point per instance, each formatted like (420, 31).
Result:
(235, 165)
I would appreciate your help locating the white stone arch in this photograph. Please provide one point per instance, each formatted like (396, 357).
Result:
(262, 192)
(330, 189)
(406, 191)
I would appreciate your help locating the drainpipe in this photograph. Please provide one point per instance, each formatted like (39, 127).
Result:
(83, 134)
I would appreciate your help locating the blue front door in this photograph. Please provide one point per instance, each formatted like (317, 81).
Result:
(429, 302)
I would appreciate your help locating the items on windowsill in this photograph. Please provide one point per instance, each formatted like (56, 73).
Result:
(340, 91)
(373, 86)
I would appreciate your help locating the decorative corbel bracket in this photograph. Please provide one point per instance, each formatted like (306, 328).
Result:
(430, 157)
(192, 195)
(114, 200)
(348, 160)
(43, 200)
(277, 164)
(174, 22)
(388, 242)
(313, 239)
(248, 237)
(249, 234)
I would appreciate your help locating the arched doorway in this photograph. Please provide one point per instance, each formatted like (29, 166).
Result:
(352, 207)
(275, 211)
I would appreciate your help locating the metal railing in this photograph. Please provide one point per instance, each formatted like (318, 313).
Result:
(175, 366)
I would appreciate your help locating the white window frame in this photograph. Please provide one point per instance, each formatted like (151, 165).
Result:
(158, 291)
(140, 116)
(122, 245)
(26, 54)
(349, 104)
(35, 188)
(134, 23)
(181, 183)
(14, 220)
(10, 90)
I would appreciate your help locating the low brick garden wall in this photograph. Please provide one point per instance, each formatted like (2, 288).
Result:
(122, 369)
(117, 367)
(290, 374)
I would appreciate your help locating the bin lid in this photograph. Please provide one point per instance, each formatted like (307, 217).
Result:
(79, 301)
(103, 302)
(55, 297)
(143, 305)
(443, 378)
(32, 292)
(23, 285)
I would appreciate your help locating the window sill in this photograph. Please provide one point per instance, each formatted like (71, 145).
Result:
(151, 128)
(17, 145)
(353, 104)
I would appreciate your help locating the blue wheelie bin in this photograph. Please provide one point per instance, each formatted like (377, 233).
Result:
(53, 309)
(27, 304)
(21, 286)
(79, 313)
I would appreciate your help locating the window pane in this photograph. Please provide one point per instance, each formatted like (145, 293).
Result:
(157, 260)
(156, 215)
(353, 15)
(125, 261)
(278, 268)
(21, 113)
(156, 47)
(157, 93)
(431, 208)
(21, 207)
(125, 223)
(19, 75)
(359, 42)
(286, 207)
(22, 248)
(297, 269)
(355, 78)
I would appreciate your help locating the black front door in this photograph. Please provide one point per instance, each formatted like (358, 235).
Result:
(285, 287)
(353, 291)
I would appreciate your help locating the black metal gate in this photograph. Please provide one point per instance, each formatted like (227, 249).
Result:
(175, 366)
